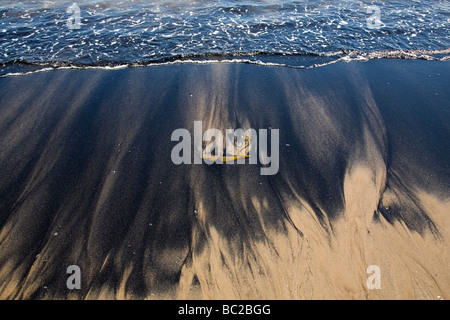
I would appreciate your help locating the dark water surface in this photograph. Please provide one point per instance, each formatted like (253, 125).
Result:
(112, 32)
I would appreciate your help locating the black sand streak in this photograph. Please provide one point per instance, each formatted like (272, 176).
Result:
(86, 178)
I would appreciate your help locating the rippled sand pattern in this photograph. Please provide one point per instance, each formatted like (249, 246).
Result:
(86, 178)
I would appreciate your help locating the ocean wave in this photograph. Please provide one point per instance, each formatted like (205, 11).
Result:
(111, 31)
(305, 60)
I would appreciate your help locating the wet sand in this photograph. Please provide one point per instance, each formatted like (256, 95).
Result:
(87, 179)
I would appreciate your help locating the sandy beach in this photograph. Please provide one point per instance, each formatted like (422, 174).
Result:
(87, 179)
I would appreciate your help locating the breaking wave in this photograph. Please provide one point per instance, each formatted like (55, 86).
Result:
(298, 61)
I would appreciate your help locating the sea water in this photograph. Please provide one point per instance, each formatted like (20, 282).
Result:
(38, 35)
